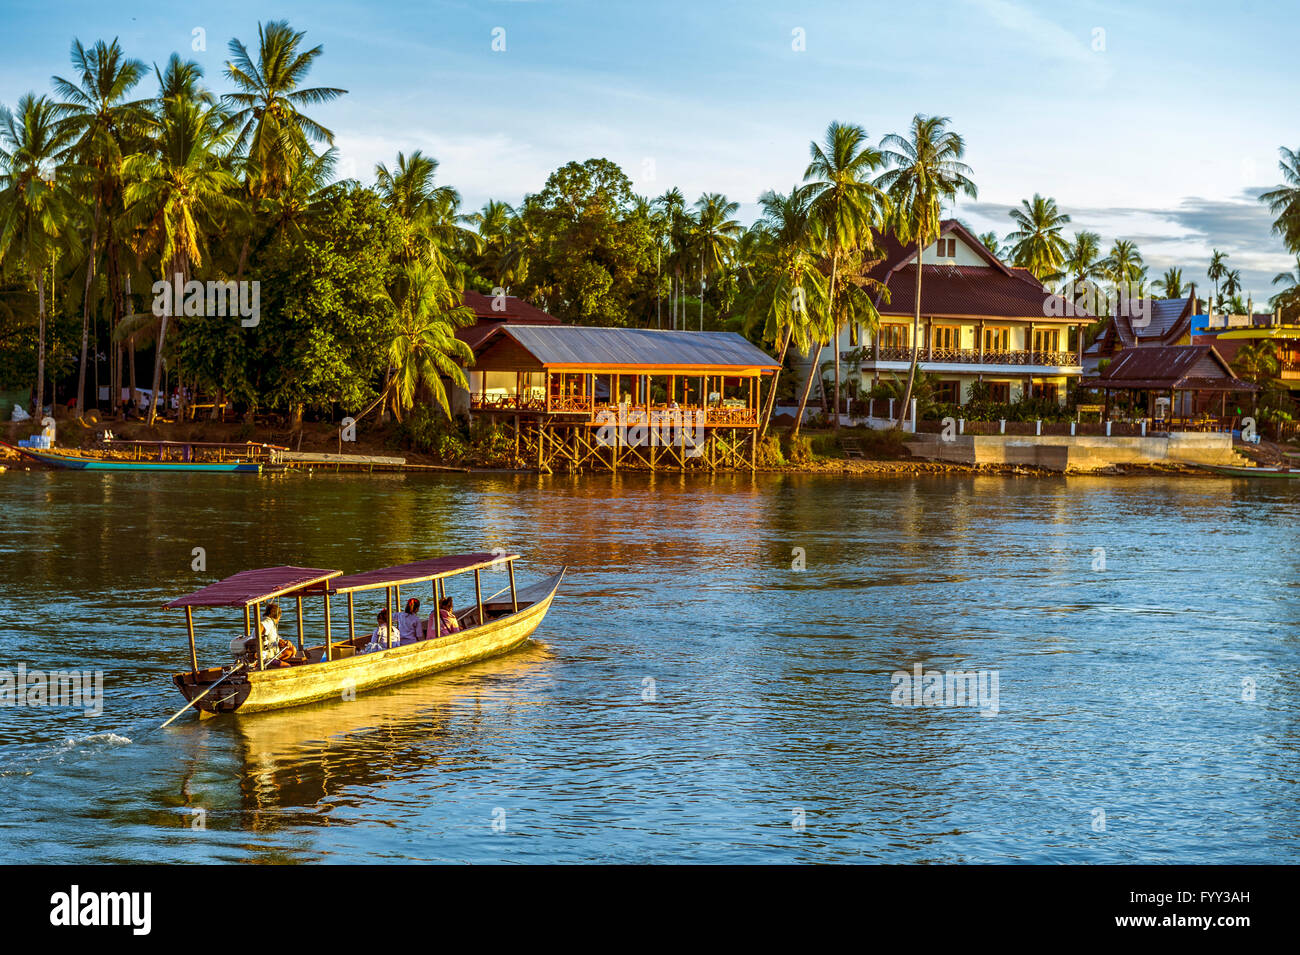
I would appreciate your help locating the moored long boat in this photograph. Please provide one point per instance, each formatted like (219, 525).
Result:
(84, 462)
(1228, 470)
(337, 670)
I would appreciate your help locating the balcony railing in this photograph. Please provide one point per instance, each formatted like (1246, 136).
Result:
(972, 356)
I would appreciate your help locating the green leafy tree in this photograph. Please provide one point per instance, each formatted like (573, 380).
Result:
(35, 208)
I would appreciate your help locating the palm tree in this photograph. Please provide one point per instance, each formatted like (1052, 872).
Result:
(293, 214)
(494, 223)
(713, 237)
(1289, 298)
(1217, 270)
(409, 191)
(1171, 283)
(990, 241)
(425, 347)
(786, 245)
(1232, 283)
(849, 209)
(268, 106)
(99, 116)
(1258, 364)
(927, 169)
(34, 205)
(1083, 264)
(174, 193)
(1037, 243)
(1284, 201)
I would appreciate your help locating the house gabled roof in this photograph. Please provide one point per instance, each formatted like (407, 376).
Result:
(1165, 367)
(578, 347)
(995, 290)
(492, 311)
(1169, 321)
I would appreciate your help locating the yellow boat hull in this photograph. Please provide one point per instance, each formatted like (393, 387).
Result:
(257, 691)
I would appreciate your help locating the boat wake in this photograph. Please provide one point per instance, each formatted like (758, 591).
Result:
(71, 746)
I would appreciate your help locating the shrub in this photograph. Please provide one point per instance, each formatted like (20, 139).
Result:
(769, 453)
(798, 449)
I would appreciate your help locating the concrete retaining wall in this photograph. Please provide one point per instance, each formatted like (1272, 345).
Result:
(1079, 452)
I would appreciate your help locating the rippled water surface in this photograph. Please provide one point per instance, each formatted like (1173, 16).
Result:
(690, 696)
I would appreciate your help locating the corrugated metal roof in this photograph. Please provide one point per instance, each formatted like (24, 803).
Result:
(574, 345)
(1165, 367)
(252, 586)
(417, 571)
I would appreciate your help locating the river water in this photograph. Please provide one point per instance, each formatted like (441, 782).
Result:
(715, 683)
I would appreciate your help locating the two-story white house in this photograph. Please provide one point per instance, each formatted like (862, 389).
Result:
(981, 321)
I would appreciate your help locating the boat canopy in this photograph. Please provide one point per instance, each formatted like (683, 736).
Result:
(249, 587)
(417, 571)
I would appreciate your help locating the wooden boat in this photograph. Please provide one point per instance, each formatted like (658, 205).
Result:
(1253, 472)
(337, 670)
(84, 462)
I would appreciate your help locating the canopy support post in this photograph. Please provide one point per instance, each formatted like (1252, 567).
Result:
(328, 636)
(352, 620)
(300, 626)
(478, 594)
(261, 664)
(189, 625)
(514, 597)
(388, 609)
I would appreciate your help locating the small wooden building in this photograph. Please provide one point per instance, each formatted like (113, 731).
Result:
(609, 398)
(1193, 383)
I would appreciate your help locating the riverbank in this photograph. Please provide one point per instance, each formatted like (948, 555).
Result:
(854, 451)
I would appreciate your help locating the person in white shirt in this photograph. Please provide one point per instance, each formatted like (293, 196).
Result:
(379, 640)
(408, 622)
(275, 652)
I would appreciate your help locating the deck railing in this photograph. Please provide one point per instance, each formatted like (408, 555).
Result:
(972, 356)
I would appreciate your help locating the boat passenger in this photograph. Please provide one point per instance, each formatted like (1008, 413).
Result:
(408, 622)
(275, 652)
(447, 615)
(382, 634)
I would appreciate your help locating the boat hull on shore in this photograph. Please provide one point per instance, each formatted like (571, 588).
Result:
(257, 691)
(1248, 472)
(81, 462)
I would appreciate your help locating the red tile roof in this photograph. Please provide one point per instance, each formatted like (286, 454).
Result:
(514, 310)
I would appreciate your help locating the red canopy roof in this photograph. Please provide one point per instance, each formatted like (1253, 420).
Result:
(417, 571)
(253, 586)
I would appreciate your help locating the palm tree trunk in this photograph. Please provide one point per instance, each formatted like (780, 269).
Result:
(916, 339)
(178, 267)
(38, 411)
(835, 330)
(814, 372)
(85, 315)
(771, 394)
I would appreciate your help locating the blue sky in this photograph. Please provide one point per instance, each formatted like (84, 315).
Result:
(1158, 124)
